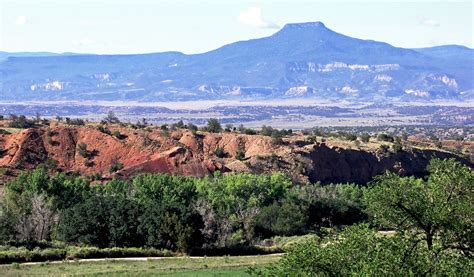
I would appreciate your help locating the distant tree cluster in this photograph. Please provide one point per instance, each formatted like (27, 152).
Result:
(111, 118)
(20, 122)
(75, 121)
(213, 126)
(385, 137)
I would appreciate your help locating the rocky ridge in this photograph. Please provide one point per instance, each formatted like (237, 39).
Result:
(182, 152)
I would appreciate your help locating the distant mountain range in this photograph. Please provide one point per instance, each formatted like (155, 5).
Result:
(304, 60)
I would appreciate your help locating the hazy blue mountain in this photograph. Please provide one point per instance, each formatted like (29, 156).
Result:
(458, 52)
(6, 55)
(300, 60)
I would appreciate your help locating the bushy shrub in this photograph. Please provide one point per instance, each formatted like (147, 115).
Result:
(249, 131)
(22, 254)
(283, 219)
(359, 250)
(312, 139)
(220, 152)
(213, 125)
(385, 137)
(350, 137)
(115, 165)
(365, 138)
(75, 121)
(20, 122)
(286, 243)
(118, 135)
(332, 205)
(191, 127)
(104, 129)
(116, 252)
(82, 150)
(240, 154)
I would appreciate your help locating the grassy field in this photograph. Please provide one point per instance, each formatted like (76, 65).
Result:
(182, 266)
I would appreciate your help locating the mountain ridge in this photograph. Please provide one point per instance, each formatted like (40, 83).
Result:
(182, 152)
(300, 60)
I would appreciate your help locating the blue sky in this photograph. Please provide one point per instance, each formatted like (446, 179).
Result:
(141, 26)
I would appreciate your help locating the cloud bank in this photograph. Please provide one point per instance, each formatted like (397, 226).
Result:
(253, 17)
(21, 20)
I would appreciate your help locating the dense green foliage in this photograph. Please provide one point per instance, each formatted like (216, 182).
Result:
(430, 218)
(440, 206)
(12, 254)
(213, 125)
(359, 250)
(433, 223)
(183, 214)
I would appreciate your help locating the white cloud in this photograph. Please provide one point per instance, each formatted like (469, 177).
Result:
(253, 17)
(83, 42)
(21, 20)
(428, 22)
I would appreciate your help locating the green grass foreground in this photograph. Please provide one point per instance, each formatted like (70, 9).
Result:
(169, 266)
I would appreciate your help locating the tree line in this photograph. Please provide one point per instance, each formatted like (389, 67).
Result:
(430, 218)
(172, 212)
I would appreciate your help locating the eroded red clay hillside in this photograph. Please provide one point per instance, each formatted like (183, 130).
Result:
(182, 152)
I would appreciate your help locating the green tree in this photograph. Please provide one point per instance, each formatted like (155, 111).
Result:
(283, 219)
(179, 124)
(267, 130)
(168, 218)
(123, 214)
(86, 222)
(26, 207)
(111, 118)
(213, 125)
(359, 250)
(7, 224)
(332, 205)
(193, 128)
(20, 122)
(439, 207)
(277, 137)
(234, 201)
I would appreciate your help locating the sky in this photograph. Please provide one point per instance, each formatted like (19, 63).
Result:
(145, 26)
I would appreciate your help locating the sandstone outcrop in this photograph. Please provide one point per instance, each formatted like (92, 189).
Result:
(182, 152)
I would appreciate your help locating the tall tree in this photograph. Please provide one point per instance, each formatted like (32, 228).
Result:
(440, 206)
